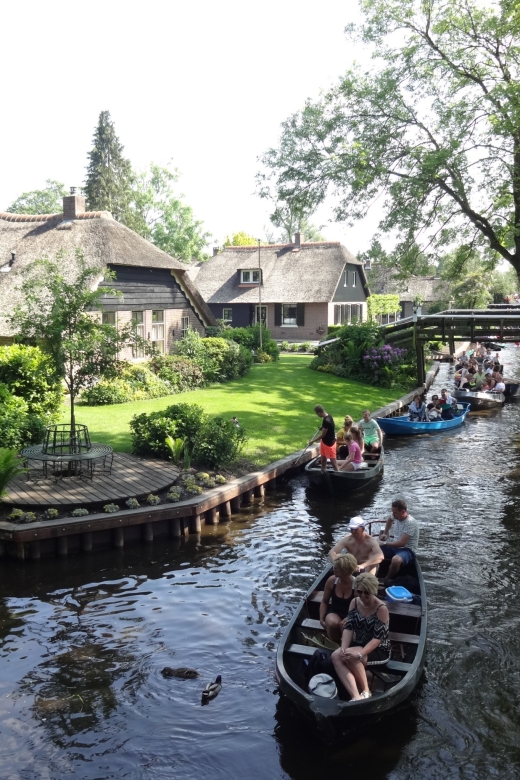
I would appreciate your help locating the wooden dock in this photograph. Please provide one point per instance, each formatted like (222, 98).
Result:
(130, 477)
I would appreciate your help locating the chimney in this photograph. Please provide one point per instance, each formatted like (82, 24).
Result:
(73, 205)
(298, 239)
(215, 251)
(12, 260)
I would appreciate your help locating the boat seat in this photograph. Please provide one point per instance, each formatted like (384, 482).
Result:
(301, 649)
(394, 607)
(411, 639)
(308, 651)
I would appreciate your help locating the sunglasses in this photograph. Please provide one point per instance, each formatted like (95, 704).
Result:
(363, 593)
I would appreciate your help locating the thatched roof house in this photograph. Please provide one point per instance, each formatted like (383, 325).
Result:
(304, 286)
(156, 287)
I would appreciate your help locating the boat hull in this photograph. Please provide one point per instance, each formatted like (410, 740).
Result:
(339, 482)
(402, 426)
(512, 388)
(479, 401)
(333, 715)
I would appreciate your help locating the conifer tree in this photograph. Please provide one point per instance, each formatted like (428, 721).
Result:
(108, 185)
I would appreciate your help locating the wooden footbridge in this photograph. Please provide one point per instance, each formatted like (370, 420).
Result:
(483, 325)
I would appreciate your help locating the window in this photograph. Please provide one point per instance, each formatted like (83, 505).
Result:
(345, 278)
(342, 314)
(185, 325)
(353, 278)
(138, 326)
(109, 318)
(368, 265)
(252, 276)
(158, 330)
(289, 314)
(227, 316)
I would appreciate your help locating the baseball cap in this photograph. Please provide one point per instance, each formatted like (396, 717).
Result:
(356, 522)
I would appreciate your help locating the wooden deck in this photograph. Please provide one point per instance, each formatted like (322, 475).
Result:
(130, 477)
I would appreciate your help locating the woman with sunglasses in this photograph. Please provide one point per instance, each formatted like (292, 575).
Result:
(365, 640)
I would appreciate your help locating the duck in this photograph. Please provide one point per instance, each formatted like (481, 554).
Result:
(212, 689)
(182, 671)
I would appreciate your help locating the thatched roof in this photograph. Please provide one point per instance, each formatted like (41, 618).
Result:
(430, 288)
(102, 240)
(308, 273)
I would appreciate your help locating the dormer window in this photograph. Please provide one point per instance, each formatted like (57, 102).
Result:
(250, 276)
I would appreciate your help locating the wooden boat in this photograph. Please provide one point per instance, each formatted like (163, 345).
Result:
(512, 387)
(391, 684)
(402, 426)
(339, 482)
(480, 400)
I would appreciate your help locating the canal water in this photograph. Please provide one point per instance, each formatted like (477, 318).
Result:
(84, 639)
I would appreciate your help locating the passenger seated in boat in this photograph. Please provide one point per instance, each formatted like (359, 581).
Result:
(361, 545)
(478, 379)
(463, 357)
(371, 432)
(365, 639)
(337, 595)
(485, 385)
(434, 409)
(448, 402)
(500, 387)
(342, 447)
(400, 539)
(354, 461)
(467, 380)
(417, 411)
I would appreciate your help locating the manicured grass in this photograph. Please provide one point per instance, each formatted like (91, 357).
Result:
(274, 404)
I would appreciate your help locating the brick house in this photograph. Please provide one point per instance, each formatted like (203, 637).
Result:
(303, 287)
(158, 295)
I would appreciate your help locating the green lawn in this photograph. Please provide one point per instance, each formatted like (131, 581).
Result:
(274, 404)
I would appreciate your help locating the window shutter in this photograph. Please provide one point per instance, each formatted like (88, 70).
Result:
(300, 314)
(251, 314)
(277, 315)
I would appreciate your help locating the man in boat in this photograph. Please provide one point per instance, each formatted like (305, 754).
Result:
(372, 433)
(448, 403)
(361, 545)
(400, 539)
(326, 438)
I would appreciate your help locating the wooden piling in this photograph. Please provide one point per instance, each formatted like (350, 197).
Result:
(225, 509)
(175, 527)
(20, 551)
(195, 524)
(235, 503)
(148, 532)
(259, 491)
(62, 546)
(118, 538)
(212, 516)
(247, 497)
(35, 550)
(86, 541)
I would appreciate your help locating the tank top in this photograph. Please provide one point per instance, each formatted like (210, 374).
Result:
(339, 605)
(367, 628)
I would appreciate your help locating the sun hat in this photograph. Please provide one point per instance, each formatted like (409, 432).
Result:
(323, 685)
(356, 522)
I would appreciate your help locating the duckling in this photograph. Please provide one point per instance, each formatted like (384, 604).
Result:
(182, 671)
(211, 690)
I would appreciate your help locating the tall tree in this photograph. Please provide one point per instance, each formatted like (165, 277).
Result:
(159, 215)
(431, 129)
(108, 184)
(241, 239)
(49, 200)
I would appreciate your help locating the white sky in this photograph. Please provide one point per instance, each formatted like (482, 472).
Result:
(204, 84)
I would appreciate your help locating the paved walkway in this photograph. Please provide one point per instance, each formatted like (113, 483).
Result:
(131, 476)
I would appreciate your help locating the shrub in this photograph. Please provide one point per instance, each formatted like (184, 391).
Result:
(10, 467)
(135, 383)
(50, 514)
(219, 479)
(174, 494)
(149, 431)
(79, 512)
(191, 346)
(219, 443)
(182, 373)
(263, 357)
(132, 503)
(29, 374)
(382, 362)
(110, 508)
(250, 338)
(28, 517)
(15, 515)
(305, 346)
(152, 499)
(284, 346)
(225, 359)
(193, 489)
(293, 347)
(18, 426)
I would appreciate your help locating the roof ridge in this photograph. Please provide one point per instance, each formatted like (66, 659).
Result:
(7, 216)
(252, 247)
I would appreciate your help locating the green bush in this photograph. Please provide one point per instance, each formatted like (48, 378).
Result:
(284, 346)
(18, 427)
(263, 357)
(149, 431)
(305, 346)
(10, 467)
(182, 373)
(225, 359)
(219, 443)
(293, 347)
(28, 373)
(250, 338)
(135, 383)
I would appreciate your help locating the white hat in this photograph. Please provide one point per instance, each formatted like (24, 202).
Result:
(323, 685)
(356, 522)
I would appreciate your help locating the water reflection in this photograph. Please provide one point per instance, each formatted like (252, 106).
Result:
(83, 640)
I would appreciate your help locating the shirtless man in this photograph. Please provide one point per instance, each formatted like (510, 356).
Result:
(361, 545)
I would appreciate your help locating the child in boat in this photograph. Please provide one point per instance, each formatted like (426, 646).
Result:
(355, 457)
(342, 447)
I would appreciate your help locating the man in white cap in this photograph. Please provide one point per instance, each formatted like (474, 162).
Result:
(361, 545)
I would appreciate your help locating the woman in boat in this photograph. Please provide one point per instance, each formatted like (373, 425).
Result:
(417, 411)
(348, 422)
(434, 409)
(365, 640)
(355, 456)
(339, 592)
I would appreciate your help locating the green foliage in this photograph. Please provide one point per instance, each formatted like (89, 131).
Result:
(27, 517)
(79, 512)
(219, 479)
(250, 338)
(132, 503)
(108, 184)
(305, 346)
(49, 200)
(262, 357)
(15, 515)
(57, 314)
(153, 500)
(18, 427)
(182, 373)
(160, 216)
(284, 346)
(10, 467)
(219, 359)
(135, 383)
(382, 304)
(50, 514)
(240, 239)
(429, 128)
(30, 374)
(149, 431)
(174, 494)
(472, 292)
(293, 347)
(110, 508)
(219, 443)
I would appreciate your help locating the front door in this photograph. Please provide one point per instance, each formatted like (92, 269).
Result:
(264, 315)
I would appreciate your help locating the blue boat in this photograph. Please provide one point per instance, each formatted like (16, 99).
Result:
(403, 426)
